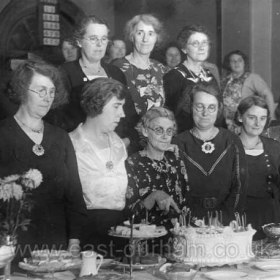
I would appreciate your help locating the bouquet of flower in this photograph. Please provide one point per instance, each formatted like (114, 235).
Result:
(16, 202)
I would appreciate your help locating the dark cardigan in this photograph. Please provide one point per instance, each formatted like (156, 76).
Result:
(72, 114)
(59, 209)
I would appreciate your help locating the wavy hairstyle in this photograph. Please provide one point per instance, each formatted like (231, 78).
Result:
(187, 31)
(97, 93)
(226, 61)
(22, 78)
(80, 29)
(210, 88)
(130, 27)
(151, 114)
(249, 102)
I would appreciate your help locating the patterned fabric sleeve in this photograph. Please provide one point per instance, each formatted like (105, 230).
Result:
(133, 198)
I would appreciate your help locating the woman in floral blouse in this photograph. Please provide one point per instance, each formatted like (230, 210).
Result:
(157, 177)
(144, 75)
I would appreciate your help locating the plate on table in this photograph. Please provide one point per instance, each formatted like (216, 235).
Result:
(268, 259)
(51, 266)
(140, 266)
(106, 276)
(158, 233)
(268, 265)
(225, 274)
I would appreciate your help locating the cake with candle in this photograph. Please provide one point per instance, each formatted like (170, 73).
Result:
(213, 244)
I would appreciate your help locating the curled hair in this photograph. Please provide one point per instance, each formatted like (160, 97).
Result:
(130, 27)
(209, 88)
(22, 78)
(80, 30)
(226, 62)
(153, 113)
(249, 102)
(98, 92)
(187, 31)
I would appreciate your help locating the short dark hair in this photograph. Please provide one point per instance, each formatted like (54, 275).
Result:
(187, 31)
(147, 19)
(97, 93)
(80, 29)
(23, 75)
(249, 102)
(210, 88)
(226, 62)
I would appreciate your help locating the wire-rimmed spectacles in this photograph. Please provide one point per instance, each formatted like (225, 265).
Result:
(44, 91)
(160, 131)
(197, 44)
(212, 108)
(95, 40)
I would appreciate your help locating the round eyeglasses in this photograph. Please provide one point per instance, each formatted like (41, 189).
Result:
(44, 91)
(212, 108)
(95, 40)
(160, 131)
(197, 44)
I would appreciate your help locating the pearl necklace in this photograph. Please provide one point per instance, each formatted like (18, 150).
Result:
(40, 130)
(207, 147)
(37, 148)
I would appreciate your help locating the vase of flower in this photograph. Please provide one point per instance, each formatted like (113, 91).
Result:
(15, 205)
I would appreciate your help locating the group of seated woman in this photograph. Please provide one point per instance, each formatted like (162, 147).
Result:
(93, 179)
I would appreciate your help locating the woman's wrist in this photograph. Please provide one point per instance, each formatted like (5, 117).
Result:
(149, 201)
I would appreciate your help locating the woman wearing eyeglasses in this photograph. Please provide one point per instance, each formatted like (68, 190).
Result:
(143, 74)
(178, 82)
(214, 158)
(26, 142)
(92, 37)
(157, 177)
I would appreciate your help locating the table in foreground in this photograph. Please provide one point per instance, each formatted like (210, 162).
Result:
(246, 271)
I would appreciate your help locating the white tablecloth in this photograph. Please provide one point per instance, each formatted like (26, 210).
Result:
(252, 274)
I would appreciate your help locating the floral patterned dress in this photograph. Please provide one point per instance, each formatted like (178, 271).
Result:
(232, 95)
(146, 176)
(144, 85)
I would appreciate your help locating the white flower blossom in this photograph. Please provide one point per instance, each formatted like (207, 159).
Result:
(33, 178)
(17, 191)
(10, 179)
(6, 192)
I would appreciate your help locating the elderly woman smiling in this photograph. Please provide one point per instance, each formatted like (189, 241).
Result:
(101, 155)
(157, 178)
(144, 75)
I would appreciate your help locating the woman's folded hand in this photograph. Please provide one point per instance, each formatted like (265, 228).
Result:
(163, 200)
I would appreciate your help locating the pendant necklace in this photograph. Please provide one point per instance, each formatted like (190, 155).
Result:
(37, 149)
(109, 164)
(207, 147)
(91, 71)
